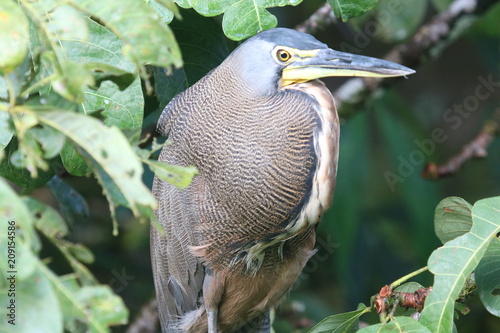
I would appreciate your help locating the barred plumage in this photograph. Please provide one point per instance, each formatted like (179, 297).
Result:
(265, 142)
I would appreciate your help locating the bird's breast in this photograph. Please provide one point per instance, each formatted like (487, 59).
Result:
(266, 166)
(326, 144)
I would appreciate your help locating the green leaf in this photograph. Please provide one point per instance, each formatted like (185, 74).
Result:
(408, 287)
(347, 9)
(452, 218)
(37, 307)
(123, 109)
(27, 242)
(76, 254)
(343, 322)
(176, 175)
(70, 202)
(147, 39)
(29, 155)
(101, 303)
(14, 31)
(399, 22)
(488, 278)
(487, 24)
(102, 48)
(106, 148)
(166, 14)
(454, 262)
(21, 176)
(74, 163)
(82, 253)
(67, 23)
(397, 324)
(47, 220)
(245, 18)
(51, 224)
(103, 72)
(73, 80)
(6, 130)
(82, 303)
(242, 19)
(120, 98)
(51, 141)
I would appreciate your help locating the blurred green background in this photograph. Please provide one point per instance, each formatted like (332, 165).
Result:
(374, 233)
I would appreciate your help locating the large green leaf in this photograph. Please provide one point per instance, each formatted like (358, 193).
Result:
(120, 98)
(454, 262)
(121, 108)
(101, 47)
(13, 36)
(488, 278)
(147, 39)
(243, 18)
(107, 150)
(452, 218)
(397, 324)
(345, 322)
(347, 9)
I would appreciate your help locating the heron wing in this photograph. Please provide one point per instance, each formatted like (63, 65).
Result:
(178, 275)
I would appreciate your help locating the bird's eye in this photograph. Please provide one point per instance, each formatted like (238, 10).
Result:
(283, 55)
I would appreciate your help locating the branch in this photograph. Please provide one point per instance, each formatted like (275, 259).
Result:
(147, 321)
(429, 38)
(387, 299)
(319, 20)
(477, 148)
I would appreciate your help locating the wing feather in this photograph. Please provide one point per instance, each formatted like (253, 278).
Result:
(178, 275)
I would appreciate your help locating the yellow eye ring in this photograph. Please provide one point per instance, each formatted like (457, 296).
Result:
(283, 55)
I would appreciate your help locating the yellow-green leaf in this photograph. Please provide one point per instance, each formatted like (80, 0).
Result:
(14, 31)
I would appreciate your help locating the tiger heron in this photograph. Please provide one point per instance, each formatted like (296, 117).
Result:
(263, 132)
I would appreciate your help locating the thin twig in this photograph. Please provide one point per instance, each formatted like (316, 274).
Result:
(319, 20)
(405, 278)
(477, 148)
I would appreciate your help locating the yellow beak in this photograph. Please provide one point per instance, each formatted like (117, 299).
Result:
(315, 64)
